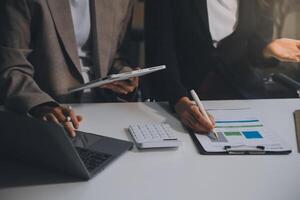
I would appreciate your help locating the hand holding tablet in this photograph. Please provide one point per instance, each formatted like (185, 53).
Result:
(117, 77)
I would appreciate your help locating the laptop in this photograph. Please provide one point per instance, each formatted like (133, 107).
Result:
(47, 145)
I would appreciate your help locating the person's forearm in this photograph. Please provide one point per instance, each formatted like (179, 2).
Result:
(19, 90)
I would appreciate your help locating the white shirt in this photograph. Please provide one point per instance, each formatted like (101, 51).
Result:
(80, 10)
(223, 18)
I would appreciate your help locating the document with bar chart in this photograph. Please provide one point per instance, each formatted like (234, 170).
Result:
(241, 129)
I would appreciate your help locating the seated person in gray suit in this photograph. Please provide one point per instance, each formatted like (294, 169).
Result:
(49, 46)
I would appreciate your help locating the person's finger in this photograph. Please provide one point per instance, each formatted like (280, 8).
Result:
(194, 124)
(194, 110)
(129, 83)
(297, 57)
(52, 118)
(70, 112)
(283, 58)
(58, 113)
(69, 128)
(79, 118)
(298, 43)
(128, 87)
(119, 89)
(115, 88)
(191, 124)
(187, 123)
(134, 81)
(123, 84)
(212, 119)
(107, 86)
(293, 57)
(289, 58)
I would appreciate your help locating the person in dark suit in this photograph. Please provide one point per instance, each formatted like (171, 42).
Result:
(49, 46)
(212, 46)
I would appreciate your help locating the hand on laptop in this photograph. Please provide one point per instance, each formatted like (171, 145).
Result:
(190, 116)
(64, 116)
(123, 87)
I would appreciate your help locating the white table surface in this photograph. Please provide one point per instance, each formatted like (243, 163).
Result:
(181, 174)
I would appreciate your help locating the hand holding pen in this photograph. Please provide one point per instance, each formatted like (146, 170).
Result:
(202, 110)
(191, 116)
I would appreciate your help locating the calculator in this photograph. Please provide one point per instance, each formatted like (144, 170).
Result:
(154, 135)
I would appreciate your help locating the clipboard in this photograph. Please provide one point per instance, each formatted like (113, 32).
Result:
(240, 132)
(258, 150)
(116, 77)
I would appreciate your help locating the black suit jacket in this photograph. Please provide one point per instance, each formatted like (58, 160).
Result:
(177, 34)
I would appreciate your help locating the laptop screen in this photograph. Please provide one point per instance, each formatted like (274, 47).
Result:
(85, 140)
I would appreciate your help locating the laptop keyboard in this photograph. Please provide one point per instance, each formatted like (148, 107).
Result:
(92, 159)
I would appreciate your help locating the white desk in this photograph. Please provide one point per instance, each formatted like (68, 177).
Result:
(183, 173)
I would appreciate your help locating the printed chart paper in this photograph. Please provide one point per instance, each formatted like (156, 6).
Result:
(240, 129)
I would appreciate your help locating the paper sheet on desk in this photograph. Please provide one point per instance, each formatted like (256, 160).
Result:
(241, 128)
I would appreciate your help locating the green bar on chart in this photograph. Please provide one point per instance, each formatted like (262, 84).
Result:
(232, 134)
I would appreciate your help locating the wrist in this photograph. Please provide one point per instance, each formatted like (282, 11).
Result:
(39, 110)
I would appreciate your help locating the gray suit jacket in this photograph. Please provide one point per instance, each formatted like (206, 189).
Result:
(38, 52)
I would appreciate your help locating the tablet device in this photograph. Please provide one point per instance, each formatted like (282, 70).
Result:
(116, 77)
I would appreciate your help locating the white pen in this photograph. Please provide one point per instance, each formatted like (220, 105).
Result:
(202, 109)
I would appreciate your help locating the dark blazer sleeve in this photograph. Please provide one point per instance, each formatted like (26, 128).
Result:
(160, 49)
(262, 36)
(18, 90)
